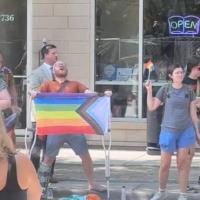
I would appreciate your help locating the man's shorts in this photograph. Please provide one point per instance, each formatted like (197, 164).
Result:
(76, 141)
(170, 142)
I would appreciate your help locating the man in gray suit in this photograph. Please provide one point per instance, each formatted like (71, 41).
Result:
(43, 72)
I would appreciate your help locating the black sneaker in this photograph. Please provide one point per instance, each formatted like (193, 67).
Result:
(53, 180)
(191, 189)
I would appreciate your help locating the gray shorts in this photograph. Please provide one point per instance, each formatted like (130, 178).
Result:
(76, 141)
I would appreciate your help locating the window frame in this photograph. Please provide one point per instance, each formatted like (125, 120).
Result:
(140, 59)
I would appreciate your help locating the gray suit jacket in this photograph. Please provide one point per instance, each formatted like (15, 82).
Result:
(39, 75)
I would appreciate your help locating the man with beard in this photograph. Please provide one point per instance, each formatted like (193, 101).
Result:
(77, 142)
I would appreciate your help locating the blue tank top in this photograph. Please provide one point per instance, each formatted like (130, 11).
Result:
(12, 190)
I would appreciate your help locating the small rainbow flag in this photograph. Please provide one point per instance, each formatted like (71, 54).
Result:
(72, 113)
(148, 65)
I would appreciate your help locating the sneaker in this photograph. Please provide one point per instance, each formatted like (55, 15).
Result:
(52, 179)
(192, 189)
(50, 194)
(160, 196)
(182, 197)
(97, 188)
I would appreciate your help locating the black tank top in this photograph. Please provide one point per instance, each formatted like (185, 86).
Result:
(12, 190)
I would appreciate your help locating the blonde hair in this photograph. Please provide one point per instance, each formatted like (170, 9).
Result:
(6, 146)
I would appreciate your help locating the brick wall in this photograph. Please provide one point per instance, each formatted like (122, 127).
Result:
(65, 23)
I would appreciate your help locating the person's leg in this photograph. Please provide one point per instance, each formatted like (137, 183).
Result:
(185, 147)
(183, 168)
(52, 179)
(78, 144)
(87, 165)
(11, 133)
(190, 157)
(163, 176)
(164, 169)
(53, 144)
(167, 143)
(52, 167)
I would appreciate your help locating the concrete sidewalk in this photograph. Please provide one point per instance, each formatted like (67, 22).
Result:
(134, 169)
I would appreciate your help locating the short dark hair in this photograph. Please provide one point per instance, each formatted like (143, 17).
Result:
(171, 69)
(45, 49)
(192, 62)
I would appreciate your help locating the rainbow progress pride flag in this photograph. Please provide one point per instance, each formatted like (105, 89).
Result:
(72, 113)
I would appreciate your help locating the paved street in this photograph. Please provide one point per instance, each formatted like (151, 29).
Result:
(132, 168)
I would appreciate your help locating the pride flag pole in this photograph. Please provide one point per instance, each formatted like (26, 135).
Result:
(107, 158)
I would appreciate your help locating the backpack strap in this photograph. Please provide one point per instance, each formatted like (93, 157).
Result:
(190, 91)
(166, 91)
(169, 86)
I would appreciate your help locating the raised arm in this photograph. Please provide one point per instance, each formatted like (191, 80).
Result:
(152, 102)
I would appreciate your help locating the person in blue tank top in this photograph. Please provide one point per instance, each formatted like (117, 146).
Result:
(179, 128)
(18, 178)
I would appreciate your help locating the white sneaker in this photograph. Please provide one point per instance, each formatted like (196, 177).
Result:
(98, 188)
(160, 196)
(182, 197)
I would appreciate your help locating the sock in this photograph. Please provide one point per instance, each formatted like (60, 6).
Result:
(44, 174)
(162, 190)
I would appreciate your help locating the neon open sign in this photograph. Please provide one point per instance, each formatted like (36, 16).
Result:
(188, 25)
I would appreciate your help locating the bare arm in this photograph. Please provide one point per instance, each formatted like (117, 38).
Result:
(193, 113)
(5, 100)
(12, 90)
(152, 102)
(27, 177)
(34, 191)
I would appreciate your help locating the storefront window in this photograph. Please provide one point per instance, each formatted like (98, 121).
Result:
(117, 54)
(13, 34)
(171, 35)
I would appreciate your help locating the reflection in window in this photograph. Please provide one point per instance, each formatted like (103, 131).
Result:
(161, 45)
(117, 54)
(13, 36)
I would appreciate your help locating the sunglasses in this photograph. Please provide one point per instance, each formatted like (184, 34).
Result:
(47, 47)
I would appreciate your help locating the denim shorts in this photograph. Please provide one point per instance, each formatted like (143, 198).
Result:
(77, 142)
(170, 142)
